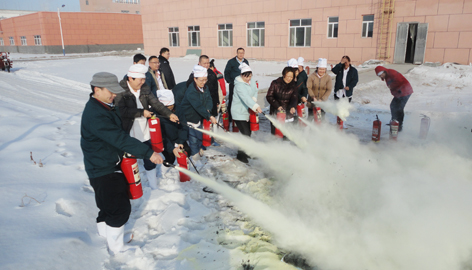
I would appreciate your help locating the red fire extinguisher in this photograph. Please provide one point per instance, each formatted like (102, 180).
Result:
(301, 113)
(257, 84)
(424, 128)
(281, 115)
(235, 127)
(376, 130)
(156, 135)
(129, 167)
(183, 163)
(394, 124)
(225, 117)
(340, 123)
(206, 139)
(253, 120)
(307, 70)
(317, 115)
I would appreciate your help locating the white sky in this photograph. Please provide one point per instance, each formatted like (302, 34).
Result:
(40, 5)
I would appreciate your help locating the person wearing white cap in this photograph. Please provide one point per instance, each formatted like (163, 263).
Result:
(103, 143)
(346, 78)
(302, 77)
(174, 134)
(319, 84)
(136, 104)
(283, 96)
(231, 72)
(196, 106)
(244, 99)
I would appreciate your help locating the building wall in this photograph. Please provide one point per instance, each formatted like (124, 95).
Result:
(449, 35)
(113, 6)
(83, 32)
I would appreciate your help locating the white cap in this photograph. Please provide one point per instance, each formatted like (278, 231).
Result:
(244, 68)
(199, 71)
(137, 71)
(301, 61)
(292, 63)
(322, 63)
(166, 97)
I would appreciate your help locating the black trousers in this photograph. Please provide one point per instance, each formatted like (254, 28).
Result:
(230, 100)
(245, 129)
(397, 107)
(170, 157)
(111, 197)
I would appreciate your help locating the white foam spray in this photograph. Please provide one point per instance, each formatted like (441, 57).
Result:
(344, 205)
(339, 108)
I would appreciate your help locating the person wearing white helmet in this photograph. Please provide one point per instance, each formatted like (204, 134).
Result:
(319, 84)
(302, 78)
(136, 104)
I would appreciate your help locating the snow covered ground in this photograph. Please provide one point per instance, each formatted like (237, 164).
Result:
(339, 200)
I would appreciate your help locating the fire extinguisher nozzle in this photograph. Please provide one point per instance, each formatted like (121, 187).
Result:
(167, 164)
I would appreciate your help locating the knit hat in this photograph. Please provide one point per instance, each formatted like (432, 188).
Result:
(199, 71)
(244, 68)
(107, 80)
(300, 61)
(292, 63)
(166, 97)
(379, 70)
(322, 63)
(137, 71)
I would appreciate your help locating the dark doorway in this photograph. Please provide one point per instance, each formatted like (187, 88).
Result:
(411, 42)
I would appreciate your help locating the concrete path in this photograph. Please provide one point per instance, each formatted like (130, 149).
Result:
(365, 75)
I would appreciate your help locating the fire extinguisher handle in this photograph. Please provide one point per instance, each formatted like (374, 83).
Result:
(167, 164)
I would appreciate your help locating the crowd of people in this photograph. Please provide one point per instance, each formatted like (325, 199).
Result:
(114, 120)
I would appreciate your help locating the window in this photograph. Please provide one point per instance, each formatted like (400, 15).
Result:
(12, 41)
(173, 36)
(194, 36)
(225, 35)
(1, 42)
(255, 34)
(125, 11)
(333, 27)
(300, 33)
(367, 25)
(23, 41)
(37, 40)
(86, 2)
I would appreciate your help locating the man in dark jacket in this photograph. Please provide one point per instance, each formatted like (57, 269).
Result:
(164, 56)
(174, 134)
(155, 79)
(103, 143)
(231, 72)
(212, 82)
(302, 77)
(401, 90)
(346, 78)
(196, 106)
(135, 104)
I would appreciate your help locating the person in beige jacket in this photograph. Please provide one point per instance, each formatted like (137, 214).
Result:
(319, 84)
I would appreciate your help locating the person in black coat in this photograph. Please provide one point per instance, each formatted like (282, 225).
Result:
(346, 78)
(135, 105)
(231, 72)
(302, 77)
(164, 56)
(174, 135)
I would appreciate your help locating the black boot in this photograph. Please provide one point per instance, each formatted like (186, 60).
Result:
(242, 157)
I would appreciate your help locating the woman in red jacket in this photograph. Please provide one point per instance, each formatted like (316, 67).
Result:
(401, 90)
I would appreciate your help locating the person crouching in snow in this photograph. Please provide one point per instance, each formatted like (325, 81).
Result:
(134, 105)
(401, 90)
(283, 95)
(244, 99)
(196, 106)
(103, 143)
(174, 135)
(319, 84)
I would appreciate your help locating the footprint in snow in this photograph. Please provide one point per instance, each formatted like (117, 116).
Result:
(63, 208)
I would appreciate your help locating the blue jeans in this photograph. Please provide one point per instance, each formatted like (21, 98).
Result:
(195, 140)
(396, 108)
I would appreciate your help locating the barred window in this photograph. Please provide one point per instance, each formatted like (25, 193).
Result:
(194, 36)
(174, 37)
(255, 34)
(300, 33)
(225, 35)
